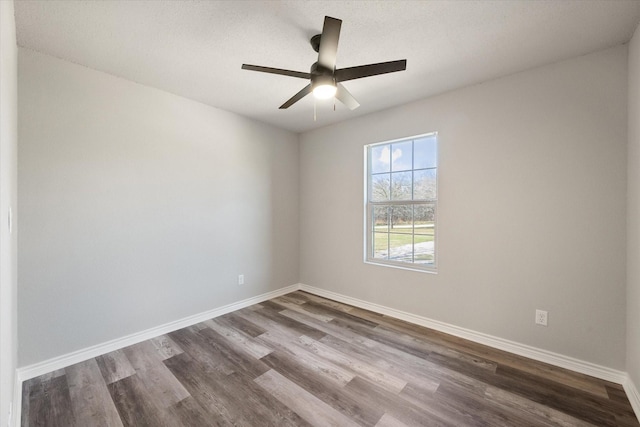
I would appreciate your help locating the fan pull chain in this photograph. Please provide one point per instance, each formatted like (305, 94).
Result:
(314, 110)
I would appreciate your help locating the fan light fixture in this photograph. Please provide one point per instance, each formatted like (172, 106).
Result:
(324, 86)
(324, 91)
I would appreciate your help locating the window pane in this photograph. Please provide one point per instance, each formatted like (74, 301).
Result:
(424, 252)
(425, 152)
(424, 219)
(401, 186)
(380, 187)
(401, 202)
(381, 245)
(380, 157)
(401, 247)
(402, 219)
(380, 219)
(402, 156)
(424, 184)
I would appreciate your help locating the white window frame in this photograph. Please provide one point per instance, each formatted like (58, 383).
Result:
(368, 208)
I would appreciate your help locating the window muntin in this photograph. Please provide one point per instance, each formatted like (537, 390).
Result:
(401, 202)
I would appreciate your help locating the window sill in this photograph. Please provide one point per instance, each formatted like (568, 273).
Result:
(429, 270)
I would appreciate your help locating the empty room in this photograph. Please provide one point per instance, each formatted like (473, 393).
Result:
(320, 213)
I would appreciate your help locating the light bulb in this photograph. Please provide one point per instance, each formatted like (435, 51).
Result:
(324, 91)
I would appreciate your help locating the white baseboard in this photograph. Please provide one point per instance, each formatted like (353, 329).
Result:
(37, 369)
(633, 394)
(540, 355)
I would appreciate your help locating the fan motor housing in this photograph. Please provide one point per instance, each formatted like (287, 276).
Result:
(321, 75)
(319, 70)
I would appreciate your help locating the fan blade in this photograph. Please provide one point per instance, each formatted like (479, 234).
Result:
(346, 98)
(329, 43)
(280, 71)
(361, 71)
(297, 97)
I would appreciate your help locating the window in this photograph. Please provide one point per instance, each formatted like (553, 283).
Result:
(401, 202)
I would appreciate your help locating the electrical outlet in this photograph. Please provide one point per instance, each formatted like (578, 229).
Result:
(241, 279)
(541, 317)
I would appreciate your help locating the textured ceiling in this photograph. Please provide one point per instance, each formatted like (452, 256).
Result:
(195, 48)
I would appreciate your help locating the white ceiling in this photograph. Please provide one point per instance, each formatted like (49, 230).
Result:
(195, 48)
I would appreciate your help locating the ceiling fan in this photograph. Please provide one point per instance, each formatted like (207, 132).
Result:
(325, 80)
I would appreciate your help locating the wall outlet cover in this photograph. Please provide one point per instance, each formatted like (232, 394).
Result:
(541, 317)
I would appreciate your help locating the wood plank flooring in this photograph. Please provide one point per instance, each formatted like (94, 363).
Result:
(301, 360)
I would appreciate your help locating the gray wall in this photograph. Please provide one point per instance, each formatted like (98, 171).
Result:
(532, 210)
(8, 199)
(139, 207)
(633, 215)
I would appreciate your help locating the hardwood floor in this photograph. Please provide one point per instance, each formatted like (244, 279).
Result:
(301, 360)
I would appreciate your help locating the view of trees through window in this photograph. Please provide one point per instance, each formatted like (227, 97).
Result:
(401, 201)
